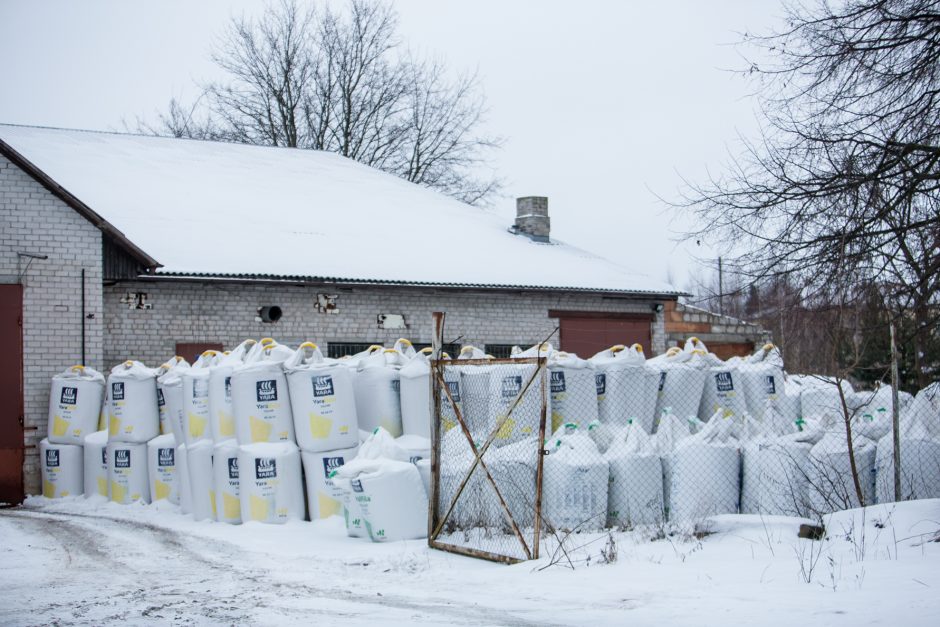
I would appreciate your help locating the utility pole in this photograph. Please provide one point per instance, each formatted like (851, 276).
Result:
(721, 289)
(895, 416)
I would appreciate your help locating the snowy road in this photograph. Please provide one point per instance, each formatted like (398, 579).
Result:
(77, 562)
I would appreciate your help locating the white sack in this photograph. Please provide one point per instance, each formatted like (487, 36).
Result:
(170, 413)
(575, 482)
(95, 454)
(226, 482)
(201, 478)
(62, 467)
(196, 398)
(416, 396)
(162, 469)
(182, 468)
(831, 487)
(221, 418)
(127, 472)
(761, 379)
(391, 498)
(919, 435)
(626, 387)
(573, 389)
(705, 473)
(270, 482)
(680, 385)
(260, 401)
(323, 403)
(635, 494)
(74, 404)
(133, 415)
(324, 499)
(377, 390)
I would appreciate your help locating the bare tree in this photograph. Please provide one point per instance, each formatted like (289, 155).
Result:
(335, 80)
(844, 182)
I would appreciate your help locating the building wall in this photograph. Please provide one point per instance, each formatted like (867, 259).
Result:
(723, 335)
(35, 221)
(225, 312)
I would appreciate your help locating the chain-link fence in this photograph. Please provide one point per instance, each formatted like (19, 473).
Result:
(663, 442)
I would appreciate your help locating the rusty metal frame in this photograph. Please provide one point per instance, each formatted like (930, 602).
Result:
(437, 518)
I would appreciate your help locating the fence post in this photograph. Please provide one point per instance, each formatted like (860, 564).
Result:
(895, 416)
(437, 342)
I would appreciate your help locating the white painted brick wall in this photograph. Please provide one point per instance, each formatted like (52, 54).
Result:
(37, 222)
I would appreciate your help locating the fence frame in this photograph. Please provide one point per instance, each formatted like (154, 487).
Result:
(438, 518)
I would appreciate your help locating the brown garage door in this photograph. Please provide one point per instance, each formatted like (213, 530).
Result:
(190, 351)
(11, 394)
(586, 333)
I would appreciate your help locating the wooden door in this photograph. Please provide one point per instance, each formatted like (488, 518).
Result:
(11, 394)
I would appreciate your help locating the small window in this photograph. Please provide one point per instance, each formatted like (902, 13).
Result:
(451, 349)
(341, 349)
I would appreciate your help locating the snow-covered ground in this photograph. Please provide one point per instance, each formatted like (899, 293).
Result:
(74, 561)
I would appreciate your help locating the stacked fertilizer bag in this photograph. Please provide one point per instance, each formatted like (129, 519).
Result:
(681, 383)
(416, 396)
(831, 484)
(626, 387)
(920, 451)
(170, 397)
(221, 417)
(75, 399)
(323, 404)
(133, 420)
(573, 390)
(762, 381)
(635, 493)
(383, 494)
(575, 482)
(195, 382)
(260, 399)
(723, 391)
(377, 388)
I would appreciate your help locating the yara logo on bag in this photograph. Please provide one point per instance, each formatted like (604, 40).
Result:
(330, 464)
(267, 390)
(52, 458)
(600, 381)
(69, 396)
(161, 402)
(454, 387)
(200, 388)
(356, 485)
(165, 457)
(228, 388)
(723, 382)
(558, 382)
(117, 391)
(122, 458)
(770, 385)
(265, 468)
(322, 386)
(233, 468)
(511, 386)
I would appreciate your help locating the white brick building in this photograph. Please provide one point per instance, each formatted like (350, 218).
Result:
(181, 242)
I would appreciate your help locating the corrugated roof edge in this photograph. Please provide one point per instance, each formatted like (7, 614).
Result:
(338, 281)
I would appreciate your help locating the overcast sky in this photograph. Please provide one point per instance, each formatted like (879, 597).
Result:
(603, 105)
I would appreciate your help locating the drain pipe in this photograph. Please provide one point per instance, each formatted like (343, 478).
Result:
(83, 317)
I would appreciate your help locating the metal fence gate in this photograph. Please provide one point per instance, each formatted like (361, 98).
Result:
(489, 423)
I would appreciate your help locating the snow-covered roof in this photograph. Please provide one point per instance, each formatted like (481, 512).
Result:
(204, 208)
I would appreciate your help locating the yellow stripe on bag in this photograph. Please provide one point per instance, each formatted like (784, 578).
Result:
(257, 507)
(327, 506)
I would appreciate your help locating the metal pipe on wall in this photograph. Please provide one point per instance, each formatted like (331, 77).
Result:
(83, 316)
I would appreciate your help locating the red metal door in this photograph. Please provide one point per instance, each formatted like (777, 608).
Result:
(587, 335)
(11, 394)
(190, 351)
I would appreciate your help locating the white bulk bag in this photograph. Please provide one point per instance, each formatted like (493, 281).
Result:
(182, 467)
(831, 487)
(260, 399)
(391, 497)
(415, 447)
(61, 468)
(162, 470)
(489, 392)
(323, 403)
(133, 415)
(170, 401)
(270, 483)
(919, 435)
(196, 398)
(626, 387)
(573, 389)
(635, 494)
(74, 404)
(820, 399)
(773, 472)
(404, 347)
(221, 418)
(680, 385)
(226, 482)
(705, 473)
(424, 467)
(170, 412)
(201, 478)
(416, 396)
(95, 454)
(455, 461)
(377, 388)
(324, 499)
(575, 482)
(127, 472)
(761, 379)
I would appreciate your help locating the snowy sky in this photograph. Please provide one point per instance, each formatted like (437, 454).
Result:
(603, 105)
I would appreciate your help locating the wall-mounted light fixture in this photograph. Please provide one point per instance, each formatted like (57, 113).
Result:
(658, 307)
(269, 314)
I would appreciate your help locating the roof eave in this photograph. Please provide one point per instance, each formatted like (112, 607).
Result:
(75, 203)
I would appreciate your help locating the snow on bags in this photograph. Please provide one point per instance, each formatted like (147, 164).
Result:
(226, 482)
(201, 479)
(415, 447)
(221, 418)
(920, 454)
(95, 455)
(573, 389)
(61, 469)
(705, 472)
(575, 482)
(196, 398)
(323, 403)
(829, 473)
(626, 387)
(377, 388)
(416, 396)
(761, 379)
(182, 466)
(820, 399)
(260, 399)
(680, 384)
(391, 497)
(74, 404)
(133, 415)
(161, 469)
(324, 499)
(127, 472)
(270, 483)
(170, 399)
(635, 494)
